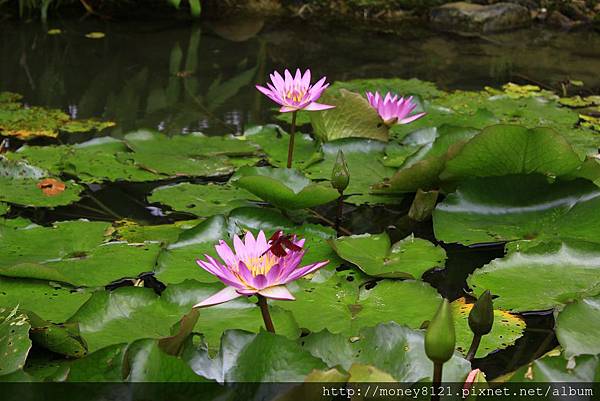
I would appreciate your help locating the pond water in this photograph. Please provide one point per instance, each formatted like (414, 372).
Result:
(178, 78)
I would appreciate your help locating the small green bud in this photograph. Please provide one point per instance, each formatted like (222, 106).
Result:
(481, 317)
(440, 338)
(340, 177)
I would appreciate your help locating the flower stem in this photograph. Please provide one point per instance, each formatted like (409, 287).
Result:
(292, 137)
(437, 380)
(264, 309)
(340, 211)
(473, 347)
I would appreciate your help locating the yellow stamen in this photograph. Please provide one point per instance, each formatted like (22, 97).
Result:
(261, 264)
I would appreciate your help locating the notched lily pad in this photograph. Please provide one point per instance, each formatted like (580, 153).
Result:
(283, 188)
(376, 256)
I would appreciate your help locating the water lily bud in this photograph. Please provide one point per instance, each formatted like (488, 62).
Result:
(440, 338)
(481, 317)
(340, 176)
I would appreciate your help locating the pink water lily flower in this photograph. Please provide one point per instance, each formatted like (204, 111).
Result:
(295, 93)
(253, 269)
(392, 109)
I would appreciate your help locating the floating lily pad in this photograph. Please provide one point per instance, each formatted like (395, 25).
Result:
(506, 330)
(402, 87)
(30, 122)
(131, 313)
(63, 339)
(362, 174)
(376, 256)
(203, 200)
(14, 340)
(193, 154)
(392, 348)
(4, 208)
(509, 149)
(263, 357)
(521, 279)
(352, 117)
(555, 368)
(518, 207)
(274, 143)
(51, 301)
(97, 267)
(93, 161)
(577, 325)
(284, 188)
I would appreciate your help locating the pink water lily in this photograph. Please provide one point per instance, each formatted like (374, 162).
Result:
(392, 109)
(295, 93)
(254, 270)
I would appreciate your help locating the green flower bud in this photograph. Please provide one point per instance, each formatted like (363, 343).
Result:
(481, 317)
(340, 177)
(440, 338)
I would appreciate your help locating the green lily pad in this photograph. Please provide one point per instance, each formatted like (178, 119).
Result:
(203, 200)
(365, 165)
(104, 365)
(99, 267)
(131, 313)
(283, 188)
(93, 161)
(376, 256)
(392, 348)
(246, 357)
(555, 368)
(518, 207)
(506, 330)
(193, 154)
(520, 279)
(402, 87)
(4, 208)
(51, 301)
(509, 149)
(352, 117)
(274, 143)
(577, 325)
(134, 233)
(63, 339)
(14, 340)
(148, 363)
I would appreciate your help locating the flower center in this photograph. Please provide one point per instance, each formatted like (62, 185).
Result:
(261, 264)
(295, 94)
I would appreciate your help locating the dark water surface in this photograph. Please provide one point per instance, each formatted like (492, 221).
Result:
(178, 77)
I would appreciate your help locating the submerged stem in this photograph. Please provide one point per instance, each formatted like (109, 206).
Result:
(292, 137)
(264, 309)
(437, 380)
(473, 347)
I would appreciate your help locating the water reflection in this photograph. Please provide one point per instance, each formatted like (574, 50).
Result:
(185, 78)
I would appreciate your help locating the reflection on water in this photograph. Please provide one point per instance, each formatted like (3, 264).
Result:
(183, 78)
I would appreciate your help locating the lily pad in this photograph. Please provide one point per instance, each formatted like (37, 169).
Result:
(365, 166)
(509, 149)
(283, 188)
(246, 357)
(63, 339)
(555, 368)
(193, 154)
(576, 326)
(403, 87)
(352, 117)
(4, 208)
(274, 143)
(392, 348)
(51, 301)
(203, 200)
(506, 330)
(14, 340)
(521, 279)
(376, 256)
(518, 207)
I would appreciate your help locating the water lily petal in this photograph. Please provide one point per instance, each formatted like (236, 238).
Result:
(226, 254)
(279, 292)
(261, 242)
(260, 282)
(314, 106)
(287, 109)
(226, 294)
(303, 271)
(306, 78)
(411, 118)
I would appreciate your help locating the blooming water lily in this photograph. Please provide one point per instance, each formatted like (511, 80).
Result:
(254, 269)
(295, 93)
(393, 109)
